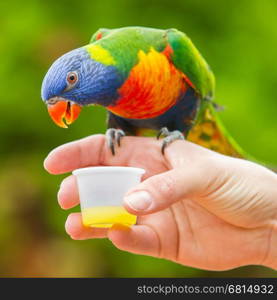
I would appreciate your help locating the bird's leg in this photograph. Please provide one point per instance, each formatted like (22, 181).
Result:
(113, 137)
(170, 136)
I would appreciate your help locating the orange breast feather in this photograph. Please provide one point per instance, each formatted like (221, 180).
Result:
(153, 86)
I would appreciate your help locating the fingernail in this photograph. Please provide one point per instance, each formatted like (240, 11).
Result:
(139, 200)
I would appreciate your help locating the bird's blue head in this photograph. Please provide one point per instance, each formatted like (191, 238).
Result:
(76, 79)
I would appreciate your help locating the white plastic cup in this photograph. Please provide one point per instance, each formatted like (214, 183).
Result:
(101, 192)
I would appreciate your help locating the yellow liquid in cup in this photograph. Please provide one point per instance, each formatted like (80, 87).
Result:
(106, 216)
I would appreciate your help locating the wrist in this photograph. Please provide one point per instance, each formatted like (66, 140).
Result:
(271, 255)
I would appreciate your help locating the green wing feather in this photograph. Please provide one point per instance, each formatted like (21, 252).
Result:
(189, 60)
(208, 130)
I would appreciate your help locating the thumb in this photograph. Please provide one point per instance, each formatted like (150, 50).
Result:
(160, 191)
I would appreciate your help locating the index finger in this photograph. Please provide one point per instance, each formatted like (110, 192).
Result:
(77, 154)
(93, 151)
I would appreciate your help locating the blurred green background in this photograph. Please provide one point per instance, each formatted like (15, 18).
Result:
(238, 39)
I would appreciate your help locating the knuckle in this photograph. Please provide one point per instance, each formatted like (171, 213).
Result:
(166, 187)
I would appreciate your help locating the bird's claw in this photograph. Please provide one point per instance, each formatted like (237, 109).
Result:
(113, 137)
(163, 131)
(170, 136)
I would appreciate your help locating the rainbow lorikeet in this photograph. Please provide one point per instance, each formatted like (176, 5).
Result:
(151, 81)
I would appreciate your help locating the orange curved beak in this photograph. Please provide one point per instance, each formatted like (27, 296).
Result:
(64, 113)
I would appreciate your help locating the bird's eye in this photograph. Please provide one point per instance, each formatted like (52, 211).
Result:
(52, 101)
(72, 78)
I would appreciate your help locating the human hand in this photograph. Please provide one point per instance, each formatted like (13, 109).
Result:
(194, 206)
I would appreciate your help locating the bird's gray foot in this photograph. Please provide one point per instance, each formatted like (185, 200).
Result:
(113, 137)
(170, 136)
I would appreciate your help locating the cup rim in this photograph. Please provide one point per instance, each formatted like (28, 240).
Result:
(107, 169)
